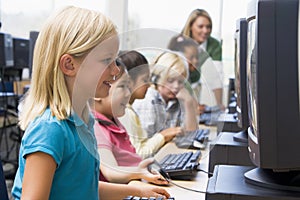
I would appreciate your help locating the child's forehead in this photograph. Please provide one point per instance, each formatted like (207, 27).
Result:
(176, 76)
(106, 47)
(190, 48)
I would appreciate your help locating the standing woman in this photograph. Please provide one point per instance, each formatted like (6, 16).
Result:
(199, 27)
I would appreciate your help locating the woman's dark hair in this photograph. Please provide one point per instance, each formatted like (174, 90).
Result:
(180, 42)
(135, 63)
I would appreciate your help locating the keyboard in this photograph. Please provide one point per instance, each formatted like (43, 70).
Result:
(193, 139)
(210, 119)
(182, 166)
(145, 198)
(210, 109)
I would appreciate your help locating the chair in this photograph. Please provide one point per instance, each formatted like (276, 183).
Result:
(3, 189)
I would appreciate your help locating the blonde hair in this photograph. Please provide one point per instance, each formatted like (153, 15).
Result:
(74, 31)
(186, 31)
(169, 64)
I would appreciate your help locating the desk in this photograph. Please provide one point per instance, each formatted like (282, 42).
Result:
(200, 181)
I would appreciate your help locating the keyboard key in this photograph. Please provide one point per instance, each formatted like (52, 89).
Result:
(145, 198)
(128, 198)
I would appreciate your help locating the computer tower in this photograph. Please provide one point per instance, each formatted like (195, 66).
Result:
(6, 50)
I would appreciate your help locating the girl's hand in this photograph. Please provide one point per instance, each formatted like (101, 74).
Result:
(170, 133)
(152, 177)
(152, 191)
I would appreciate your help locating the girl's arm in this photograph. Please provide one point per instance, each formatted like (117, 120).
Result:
(111, 191)
(121, 174)
(38, 175)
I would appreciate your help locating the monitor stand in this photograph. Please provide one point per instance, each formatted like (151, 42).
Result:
(228, 183)
(226, 151)
(241, 136)
(289, 181)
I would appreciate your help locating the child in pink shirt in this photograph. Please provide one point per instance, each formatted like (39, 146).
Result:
(119, 161)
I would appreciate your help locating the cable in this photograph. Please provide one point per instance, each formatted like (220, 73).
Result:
(201, 170)
(180, 186)
(156, 168)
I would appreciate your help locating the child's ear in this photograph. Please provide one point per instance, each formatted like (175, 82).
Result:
(68, 65)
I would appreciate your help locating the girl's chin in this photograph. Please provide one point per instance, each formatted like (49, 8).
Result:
(171, 97)
(119, 114)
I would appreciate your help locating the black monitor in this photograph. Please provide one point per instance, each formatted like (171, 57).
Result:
(6, 50)
(273, 93)
(32, 39)
(21, 52)
(240, 84)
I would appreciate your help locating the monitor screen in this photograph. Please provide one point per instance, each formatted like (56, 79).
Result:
(240, 41)
(240, 53)
(6, 50)
(273, 93)
(21, 52)
(32, 39)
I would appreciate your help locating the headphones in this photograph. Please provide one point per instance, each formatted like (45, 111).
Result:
(154, 78)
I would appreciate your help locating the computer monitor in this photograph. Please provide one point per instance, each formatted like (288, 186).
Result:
(240, 84)
(21, 52)
(273, 93)
(32, 39)
(6, 50)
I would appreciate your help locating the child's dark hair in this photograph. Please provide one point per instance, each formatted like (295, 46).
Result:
(134, 62)
(179, 42)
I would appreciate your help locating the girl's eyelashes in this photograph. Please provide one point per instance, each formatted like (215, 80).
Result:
(171, 80)
(125, 86)
(107, 61)
(122, 86)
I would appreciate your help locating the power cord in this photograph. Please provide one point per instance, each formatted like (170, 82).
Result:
(167, 177)
(180, 186)
(201, 170)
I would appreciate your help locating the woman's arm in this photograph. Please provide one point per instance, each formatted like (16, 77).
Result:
(38, 175)
(110, 191)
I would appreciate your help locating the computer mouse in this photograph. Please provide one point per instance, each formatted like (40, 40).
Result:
(155, 167)
(185, 144)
